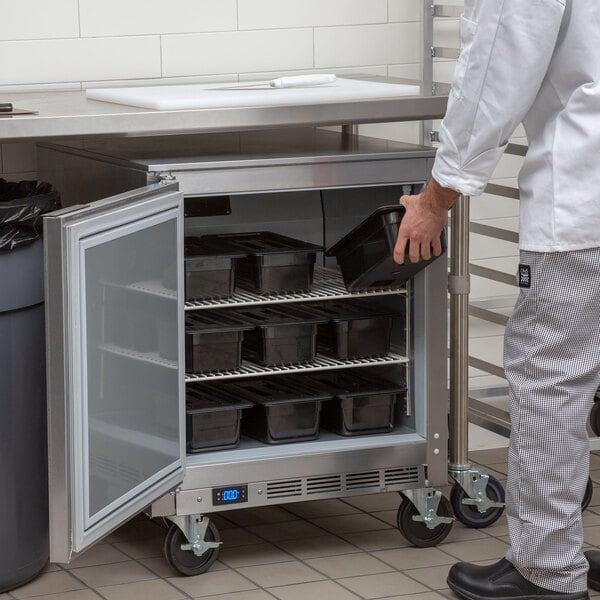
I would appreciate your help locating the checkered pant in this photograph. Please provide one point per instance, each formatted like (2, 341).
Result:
(552, 363)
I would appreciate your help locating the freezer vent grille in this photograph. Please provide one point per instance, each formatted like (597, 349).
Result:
(367, 479)
(324, 484)
(327, 285)
(334, 484)
(284, 489)
(402, 475)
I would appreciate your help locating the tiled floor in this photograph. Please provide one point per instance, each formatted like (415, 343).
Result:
(326, 550)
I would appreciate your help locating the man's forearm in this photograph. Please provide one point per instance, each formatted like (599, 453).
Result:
(440, 197)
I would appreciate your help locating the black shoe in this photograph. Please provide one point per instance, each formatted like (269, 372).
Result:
(593, 557)
(500, 581)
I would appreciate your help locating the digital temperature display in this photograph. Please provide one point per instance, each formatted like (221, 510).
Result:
(230, 495)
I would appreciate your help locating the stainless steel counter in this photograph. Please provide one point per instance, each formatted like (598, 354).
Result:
(71, 114)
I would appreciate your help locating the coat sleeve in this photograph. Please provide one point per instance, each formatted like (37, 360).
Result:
(506, 48)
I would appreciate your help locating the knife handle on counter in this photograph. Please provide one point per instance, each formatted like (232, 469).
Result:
(301, 81)
(6, 107)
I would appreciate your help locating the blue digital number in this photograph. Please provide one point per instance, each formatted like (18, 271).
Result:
(231, 495)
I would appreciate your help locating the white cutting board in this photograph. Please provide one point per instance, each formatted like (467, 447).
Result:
(179, 97)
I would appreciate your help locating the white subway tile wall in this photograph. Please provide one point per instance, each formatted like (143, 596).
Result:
(267, 14)
(152, 17)
(367, 44)
(237, 51)
(84, 40)
(405, 10)
(39, 20)
(76, 59)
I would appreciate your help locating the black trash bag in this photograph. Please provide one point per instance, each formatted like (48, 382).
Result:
(22, 203)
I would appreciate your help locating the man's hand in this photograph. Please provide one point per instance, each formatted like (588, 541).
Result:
(422, 225)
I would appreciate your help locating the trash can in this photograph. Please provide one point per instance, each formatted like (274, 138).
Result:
(23, 446)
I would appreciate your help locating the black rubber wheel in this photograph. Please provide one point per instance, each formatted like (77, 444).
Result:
(416, 532)
(185, 561)
(468, 514)
(595, 417)
(589, 492)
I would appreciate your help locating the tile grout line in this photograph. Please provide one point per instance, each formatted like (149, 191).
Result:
(359, 550)
(160, 577)
(132, 559)
(371, 552)
(302, 561)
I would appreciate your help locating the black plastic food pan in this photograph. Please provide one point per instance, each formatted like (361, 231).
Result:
(356, 329)
(212, 420)
(366, 254)
(272, 263)
(282, 335)
(363, 403)
(209, 268)
(284, 408)
(213, 341)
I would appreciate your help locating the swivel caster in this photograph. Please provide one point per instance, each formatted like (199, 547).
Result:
(192, 558)
(428, 526)
(469, 514)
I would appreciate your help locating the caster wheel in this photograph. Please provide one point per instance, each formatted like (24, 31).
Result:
(185, 561)
(416, 532)
(469, 515)
(595, 417)
(589, 492)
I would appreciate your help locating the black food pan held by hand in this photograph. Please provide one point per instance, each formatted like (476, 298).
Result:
(366, 254)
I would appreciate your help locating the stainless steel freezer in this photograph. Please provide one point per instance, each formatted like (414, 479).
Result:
(117, 410)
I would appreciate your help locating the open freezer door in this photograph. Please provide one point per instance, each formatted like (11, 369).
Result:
(115, 319)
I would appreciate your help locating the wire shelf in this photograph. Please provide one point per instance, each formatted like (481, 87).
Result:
(321, 363)
(327, 285)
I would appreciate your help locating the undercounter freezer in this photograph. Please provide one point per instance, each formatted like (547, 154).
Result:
(158, 397)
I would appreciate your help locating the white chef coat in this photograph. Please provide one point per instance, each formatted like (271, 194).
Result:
(536, 62)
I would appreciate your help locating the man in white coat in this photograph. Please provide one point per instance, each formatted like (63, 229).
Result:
(535, 62)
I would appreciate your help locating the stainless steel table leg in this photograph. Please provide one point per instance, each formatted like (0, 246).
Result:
(459, 286)
(469, 498)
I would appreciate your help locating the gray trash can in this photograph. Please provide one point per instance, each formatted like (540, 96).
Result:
(23, 448)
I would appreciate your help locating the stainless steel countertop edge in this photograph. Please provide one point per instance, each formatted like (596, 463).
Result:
(70, 115)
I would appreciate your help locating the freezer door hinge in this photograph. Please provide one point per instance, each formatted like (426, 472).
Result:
(164, 177)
